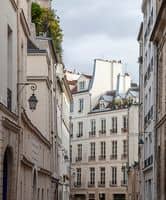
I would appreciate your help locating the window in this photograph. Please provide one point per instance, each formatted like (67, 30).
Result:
(102, 175)
(42, 194)
(71, 107)
(124, 176)
(125, 122)
(114, 148)
(79, 151)
(81, 105)
(71, 153)
(71, 130)
(114, 176)
(92, 175)
(103, 126)
(114, 124)
(93, 126)
(92, 149)
(103, 149)
(9, 67)
(78, 176)
(125, 147)
(91, 196)
(80, 129)
(81, 85)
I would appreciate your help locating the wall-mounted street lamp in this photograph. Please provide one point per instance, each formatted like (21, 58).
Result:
(32, 99)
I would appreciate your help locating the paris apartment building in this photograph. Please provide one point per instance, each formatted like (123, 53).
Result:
(104, 131)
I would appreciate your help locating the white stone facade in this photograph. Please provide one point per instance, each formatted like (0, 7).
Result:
(100, 134)
(147, 102)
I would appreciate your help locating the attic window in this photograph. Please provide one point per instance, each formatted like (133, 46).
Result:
(81, 85)
(102, 104)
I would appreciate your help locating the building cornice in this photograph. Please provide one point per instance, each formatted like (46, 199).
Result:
(7, 123)
(14, 4)
(40, 78)
(24, 24)
(27, 162)
(45, 171)
(4, 109)
(31, 126)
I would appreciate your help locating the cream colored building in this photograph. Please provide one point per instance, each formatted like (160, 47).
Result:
(147, 103)
(29, 144)
(158, 37)
(100, 132)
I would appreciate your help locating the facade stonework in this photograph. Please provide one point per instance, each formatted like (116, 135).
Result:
(104, 132)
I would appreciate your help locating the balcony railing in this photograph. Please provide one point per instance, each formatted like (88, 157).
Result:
(124, 156)
(124, 183)
(78, 159)
(148, 161)
(77, 184)
(91, 158)
(113, 184)
(102, 157)
(101, 184)
(92, 133)
(91, 185)
(113, 157)
(113, 131)
(124, 130)
(102, 132)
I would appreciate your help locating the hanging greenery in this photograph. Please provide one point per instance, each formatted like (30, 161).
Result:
(47, 23)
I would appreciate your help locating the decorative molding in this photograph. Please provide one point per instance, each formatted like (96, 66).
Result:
(14, 4)
(10, 125)
(45, 171)
(34, 129)
(40, 78)
(24, 24)
(4, 109)
(27, 162)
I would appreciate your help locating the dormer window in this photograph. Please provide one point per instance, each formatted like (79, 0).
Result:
(102, 104)
(81, 85)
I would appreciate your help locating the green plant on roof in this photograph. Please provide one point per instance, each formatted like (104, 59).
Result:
(47, 22)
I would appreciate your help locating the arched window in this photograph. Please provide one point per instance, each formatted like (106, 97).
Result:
(7, 174)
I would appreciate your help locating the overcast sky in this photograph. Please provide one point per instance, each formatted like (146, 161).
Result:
(99, 29)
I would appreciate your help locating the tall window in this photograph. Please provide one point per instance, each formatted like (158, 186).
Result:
(102, 175)
(71, 129)
(125, 122)
(78, 176)
(79, 151)
(92, 175)
(103, 149)
(125, 147)
(114, 175)
(93, 126)
(92, 149)
(9, 68)
(103, 126)
(81, 85)
(80, 129)
(124, 176)
(81, 105)
(71, 153)
(114, 148)
(114, 124)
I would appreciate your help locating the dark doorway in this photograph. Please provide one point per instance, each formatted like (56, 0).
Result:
(119, 197)
(7, 174)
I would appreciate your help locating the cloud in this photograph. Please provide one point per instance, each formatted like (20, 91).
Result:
(99, 29)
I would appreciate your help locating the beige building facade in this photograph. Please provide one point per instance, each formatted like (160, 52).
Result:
(29, 138)
(158, 37)
(100, 135)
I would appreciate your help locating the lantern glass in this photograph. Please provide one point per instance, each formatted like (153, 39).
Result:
(32, 102)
